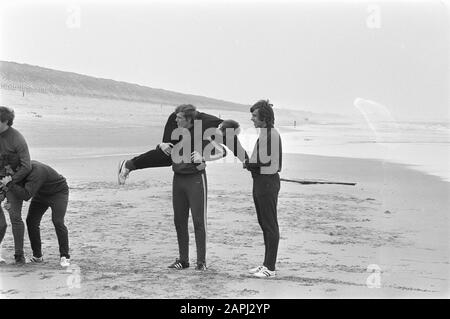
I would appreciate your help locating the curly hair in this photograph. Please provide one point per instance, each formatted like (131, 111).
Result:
(265, 112)
(6, 115)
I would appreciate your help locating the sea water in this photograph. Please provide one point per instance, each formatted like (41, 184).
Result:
(424, 146)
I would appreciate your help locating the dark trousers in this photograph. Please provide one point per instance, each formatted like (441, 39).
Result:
(265, 196)
(18, 228)
(38, 206)
(157, 158)
(3, 225)
(153, 158)
(190, 192)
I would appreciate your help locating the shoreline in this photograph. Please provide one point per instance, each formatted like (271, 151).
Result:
(413, 167)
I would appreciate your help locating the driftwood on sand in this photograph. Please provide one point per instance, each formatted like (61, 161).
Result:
(308, 182)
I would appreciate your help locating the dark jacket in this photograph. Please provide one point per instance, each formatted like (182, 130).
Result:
(181, 149)
(13, 144)
(265, 160)
(208, 121)
(42, 181)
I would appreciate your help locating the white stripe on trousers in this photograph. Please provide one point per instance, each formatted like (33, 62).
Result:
(205, 209)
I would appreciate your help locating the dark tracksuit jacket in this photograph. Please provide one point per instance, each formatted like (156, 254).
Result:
(14, 150)
(47, 188)
(156, 157)
(189, 192)
(265, 164)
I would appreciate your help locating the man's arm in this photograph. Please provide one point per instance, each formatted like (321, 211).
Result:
(263, 146)
(209, 121)
(271, 154)
(24, 158)
(31, 186)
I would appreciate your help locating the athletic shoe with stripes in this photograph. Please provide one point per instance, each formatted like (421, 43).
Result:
(201, 266)
(122, 172)
(64, 262)
(264, 273)
(255, 270)
(36, 259)
(179, 264)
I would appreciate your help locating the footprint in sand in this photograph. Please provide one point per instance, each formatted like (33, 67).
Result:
(45, 276)
(248, 292)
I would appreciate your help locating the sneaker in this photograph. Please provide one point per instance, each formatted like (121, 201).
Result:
(122, 173)
(20, 260)
(64, 262)
(264, 273)
(178, 264)
(201, 266)
(255, 270)
(2, 261)
(36, 260)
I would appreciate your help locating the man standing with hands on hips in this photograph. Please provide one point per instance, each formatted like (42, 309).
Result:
(264, 164)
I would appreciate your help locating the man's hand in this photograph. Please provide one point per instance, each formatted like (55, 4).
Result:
(7, 205)
(201, 166)
(196, 157)
(5, 180)
(166, 148)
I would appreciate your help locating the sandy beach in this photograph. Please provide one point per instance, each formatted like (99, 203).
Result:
(123, 238)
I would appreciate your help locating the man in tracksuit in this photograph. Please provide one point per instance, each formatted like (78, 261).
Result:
(264, 164)
(47, 188)
(13, 145)
(190, 190)
(160, 157)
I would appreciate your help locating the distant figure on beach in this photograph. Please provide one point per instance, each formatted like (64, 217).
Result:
(13, 144)
(265, 164)
(47, 189)
(160, 156)
(189, 190)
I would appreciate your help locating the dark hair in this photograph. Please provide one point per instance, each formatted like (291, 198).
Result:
(265, 112)
(229, 124)
(189, 111)
(6, 115)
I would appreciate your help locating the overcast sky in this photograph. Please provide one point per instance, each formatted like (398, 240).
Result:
(300, 54)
